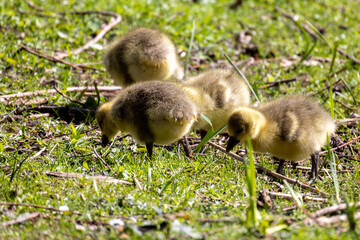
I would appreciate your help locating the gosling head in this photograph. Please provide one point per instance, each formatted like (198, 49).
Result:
(243, 123)
(106, 123)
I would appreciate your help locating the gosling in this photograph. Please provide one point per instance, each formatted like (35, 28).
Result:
(289, 128)
(152, 112)
(217, 93)
(142, 55)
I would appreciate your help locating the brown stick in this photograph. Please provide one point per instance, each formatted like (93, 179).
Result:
(92, 12)
(315, 36)
(79, 175)
(344, 105)
(137, 183)
(54, 59)
(331, 209)
(269, 85)
(100, 35)
(326, 88)
(348, 56)
(31, 216)
(341, 146)
(304, 197)
(271, 173)
(67, 97)
(32, 5)
(36, 206)
(347, 121)
(100, 158)
(308, 169)
(36, 13)
(306, 27)
(53, 91)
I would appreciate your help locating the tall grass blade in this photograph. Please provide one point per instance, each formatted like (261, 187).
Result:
(336, 44)
(296, 197)
(16, 169)
(350, 213)
(331, 159)
(189, 49)
(97, 93)
(252, 215)
(308, 49)
(351, 92)
(149, 175)
(242, 75)
(210, 134)
(319, 34)
(331, 100)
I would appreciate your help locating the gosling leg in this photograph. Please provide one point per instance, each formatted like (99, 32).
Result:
(149, 148)
(186, 146)
(314, 166)
(280, 168)
(202, 135)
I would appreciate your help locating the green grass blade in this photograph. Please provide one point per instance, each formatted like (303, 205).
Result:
(242, 75)
(331, 159)
(252, 214)
(298, 200)
(308, 50)
(319, 34)
(149, 175)
(189, 49)
(210, 135)
(351, 92)
(350, 213)
(331, 100)
(16, 169)
(333, 56)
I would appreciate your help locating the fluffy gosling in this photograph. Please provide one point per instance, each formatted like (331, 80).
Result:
(142, 55)
(290, 128)
(152, 112)
(217, 93)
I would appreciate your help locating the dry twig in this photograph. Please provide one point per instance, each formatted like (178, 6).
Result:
(348, 121)
(53, 91)
(36, 206)
(290, 197)
(100, 158)
(269, 85)
(341, 146)
(100, 35)
(332, 209)
(67, 97)
(54, 59)
(79, 175)
(314, 35)
(31, 216)
(137, 183)
(32, 5)
(271, 173)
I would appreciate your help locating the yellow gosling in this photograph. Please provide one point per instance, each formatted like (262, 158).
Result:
(142, 55)
(291, 128)
(217, 93)
(152, 112)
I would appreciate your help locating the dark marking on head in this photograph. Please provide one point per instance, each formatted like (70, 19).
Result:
(237, 122)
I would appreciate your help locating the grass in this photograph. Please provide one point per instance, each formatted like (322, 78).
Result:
(179, 195)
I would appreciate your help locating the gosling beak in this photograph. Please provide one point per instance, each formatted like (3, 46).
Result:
(231, 144)
(104, 140)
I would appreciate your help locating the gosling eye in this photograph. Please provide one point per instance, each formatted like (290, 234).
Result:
(239, 131)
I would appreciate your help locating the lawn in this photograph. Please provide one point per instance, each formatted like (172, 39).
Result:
(50, 144)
